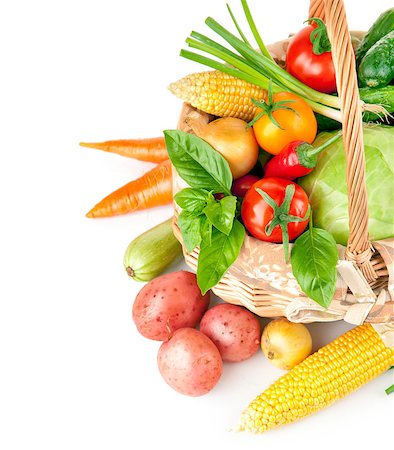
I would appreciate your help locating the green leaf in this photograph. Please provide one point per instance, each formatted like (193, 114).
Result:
(197, 162)
(221, 214)
(193, 200)
(206, 230)
(215, 259)
(190, 226)
(314, 257)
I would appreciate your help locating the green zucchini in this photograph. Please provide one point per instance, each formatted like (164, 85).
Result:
(382, 26)
(148, 255)
(377, 66)
(380, 96)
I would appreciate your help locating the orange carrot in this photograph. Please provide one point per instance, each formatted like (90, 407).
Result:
(154, 188)
(150, 150)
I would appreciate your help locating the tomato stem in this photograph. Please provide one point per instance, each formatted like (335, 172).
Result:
(282, 216)
(319, 37)
(268, 107)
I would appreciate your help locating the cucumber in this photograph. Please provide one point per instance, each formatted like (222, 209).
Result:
(148, 255)
(382, 26)
(381, 96)
(377, 66)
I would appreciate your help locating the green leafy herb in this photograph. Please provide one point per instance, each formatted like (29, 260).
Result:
(193, 200)
(314, 257)
(221, 214)
(204, 220)
(197, 162)
(190, 226)
(215, 259)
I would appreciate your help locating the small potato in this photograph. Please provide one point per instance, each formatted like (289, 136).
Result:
(234, 330)
(190, 362)
(167, 303)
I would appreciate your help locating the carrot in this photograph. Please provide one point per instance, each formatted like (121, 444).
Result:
(154, 188)
(150, 150)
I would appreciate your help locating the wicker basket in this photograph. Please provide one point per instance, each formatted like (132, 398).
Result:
(259, 279)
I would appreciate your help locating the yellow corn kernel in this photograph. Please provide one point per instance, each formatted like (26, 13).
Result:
(219, 94)
(355, 358)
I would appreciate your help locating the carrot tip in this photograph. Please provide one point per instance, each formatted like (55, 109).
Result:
(88, 144)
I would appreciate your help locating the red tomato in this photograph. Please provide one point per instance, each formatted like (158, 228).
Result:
(316, 71)
(257, 214)
(242, 185)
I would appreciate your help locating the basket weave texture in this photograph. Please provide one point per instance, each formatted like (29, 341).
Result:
(259, 279)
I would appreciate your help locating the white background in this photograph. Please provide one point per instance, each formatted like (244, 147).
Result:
(74, 372)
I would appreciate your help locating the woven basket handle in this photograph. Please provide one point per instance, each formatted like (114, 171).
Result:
(359, 248)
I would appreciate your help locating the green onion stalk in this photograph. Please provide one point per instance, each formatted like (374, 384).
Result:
(255, 66)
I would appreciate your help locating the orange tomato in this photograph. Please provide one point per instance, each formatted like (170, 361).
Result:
(297, 125)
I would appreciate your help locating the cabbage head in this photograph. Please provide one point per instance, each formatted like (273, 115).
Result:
(327, 191)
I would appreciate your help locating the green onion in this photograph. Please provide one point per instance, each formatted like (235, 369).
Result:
(252, 66)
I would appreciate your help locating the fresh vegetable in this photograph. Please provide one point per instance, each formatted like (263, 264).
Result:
(152, 189)
(148, 255)
(377, 67)
(189, 362)
(285, 343)
(283, 119)
(334, 371)
(296, 159)
(151, 149)
(167, 303)
(255, 66)
(219, 94)
(314, 258)
(233, 329)
(241, 186)
(233, 139)
(275, 210)
(383, 96)
(382, 26)
(309, 59)
(328, 182)
(204, 220)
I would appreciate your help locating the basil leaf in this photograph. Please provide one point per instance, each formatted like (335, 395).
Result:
(314, 257)
(190, 226)
(221, 214)
(206, 230)
(215, 259)
(197, 162)
(193, 200)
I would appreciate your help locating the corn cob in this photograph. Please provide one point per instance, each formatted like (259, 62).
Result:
(334, 371)
(219, 94)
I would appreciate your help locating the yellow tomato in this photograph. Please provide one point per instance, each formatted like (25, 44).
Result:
(297, 125)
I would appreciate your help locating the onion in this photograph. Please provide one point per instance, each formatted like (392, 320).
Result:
(233, 139)
(285, 343)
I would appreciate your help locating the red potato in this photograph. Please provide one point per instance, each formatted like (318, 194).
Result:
(167, 303)
(190, 362)
(233, 329)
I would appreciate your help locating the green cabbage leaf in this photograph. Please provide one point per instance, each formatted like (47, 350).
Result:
(327, 190)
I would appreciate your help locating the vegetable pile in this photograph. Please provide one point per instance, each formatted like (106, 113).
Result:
(270, 164)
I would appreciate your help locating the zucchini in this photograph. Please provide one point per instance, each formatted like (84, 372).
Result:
(380, 96)
(382, 26)
(148, 255)
(377, 66)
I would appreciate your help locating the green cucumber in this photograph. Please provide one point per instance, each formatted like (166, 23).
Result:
(377, 66)
(148, 255)
(382, 26)
(380, 96)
